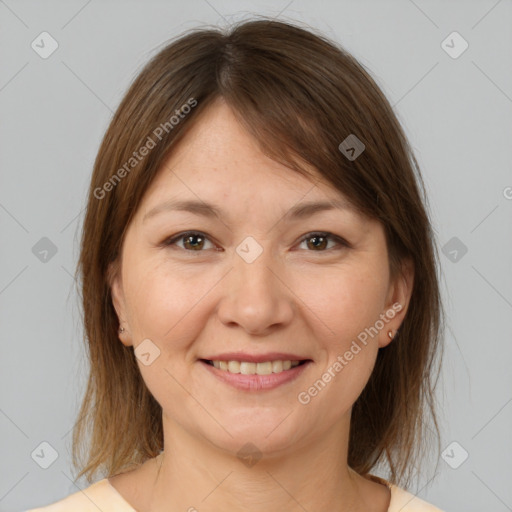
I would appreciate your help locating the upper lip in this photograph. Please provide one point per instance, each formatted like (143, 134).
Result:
(255, 358)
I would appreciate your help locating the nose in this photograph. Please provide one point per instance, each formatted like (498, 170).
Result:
(256, 296)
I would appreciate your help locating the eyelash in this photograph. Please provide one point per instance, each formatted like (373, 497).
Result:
(321, 234)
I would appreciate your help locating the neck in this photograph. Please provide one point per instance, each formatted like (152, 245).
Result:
(192, 474)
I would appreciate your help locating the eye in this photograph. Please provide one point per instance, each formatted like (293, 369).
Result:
(194, 240)
(319, 240)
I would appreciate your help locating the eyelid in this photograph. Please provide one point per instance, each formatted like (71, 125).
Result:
(176, 238)
(342, 243)
(325, 234)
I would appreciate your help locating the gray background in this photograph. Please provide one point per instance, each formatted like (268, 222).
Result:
(456, 112)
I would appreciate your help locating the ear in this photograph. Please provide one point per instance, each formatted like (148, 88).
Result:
(116, 287)
(397, 302)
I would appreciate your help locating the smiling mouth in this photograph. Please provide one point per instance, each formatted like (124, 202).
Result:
(250, 368)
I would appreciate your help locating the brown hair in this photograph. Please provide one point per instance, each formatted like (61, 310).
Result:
(300, 95)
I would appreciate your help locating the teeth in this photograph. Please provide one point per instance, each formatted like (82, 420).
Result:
(246, 368)
(277, 366)
(233, 366)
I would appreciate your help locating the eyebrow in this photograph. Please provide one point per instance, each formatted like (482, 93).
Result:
(209, 210)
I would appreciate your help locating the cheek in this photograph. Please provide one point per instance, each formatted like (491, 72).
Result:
(346, 301)
(166, 307)
(164, 303)
(350, 305)
(335, 390)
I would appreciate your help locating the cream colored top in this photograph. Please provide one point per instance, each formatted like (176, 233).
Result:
(103, 496)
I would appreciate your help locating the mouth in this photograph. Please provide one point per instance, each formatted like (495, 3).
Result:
(252, 376)
(251, 368)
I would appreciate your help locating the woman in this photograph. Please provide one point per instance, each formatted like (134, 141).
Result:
(259, 285)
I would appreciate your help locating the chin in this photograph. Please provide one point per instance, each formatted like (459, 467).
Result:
(265, 434)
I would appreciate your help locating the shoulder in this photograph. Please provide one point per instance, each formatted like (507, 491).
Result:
(404, 501)
(98, 496)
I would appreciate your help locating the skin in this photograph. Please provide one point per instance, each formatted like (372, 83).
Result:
(293, 298)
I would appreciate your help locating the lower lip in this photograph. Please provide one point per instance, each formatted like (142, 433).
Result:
(256, 382)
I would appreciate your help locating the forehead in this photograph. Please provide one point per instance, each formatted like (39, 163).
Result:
(218, 159)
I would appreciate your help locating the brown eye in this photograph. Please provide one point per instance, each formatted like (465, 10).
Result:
(193, 241)
(318, 242)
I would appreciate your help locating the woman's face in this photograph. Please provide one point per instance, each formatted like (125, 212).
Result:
(255, 281)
